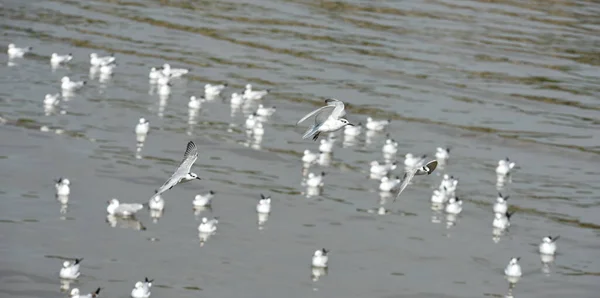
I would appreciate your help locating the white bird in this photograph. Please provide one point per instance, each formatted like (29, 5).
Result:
(501, 206)
(513, 269)
(454, 206)
(142, 127)
(57, 59)
(155, 73)
(203, 200)
(258, 129)
(388, 184)
(382, 169)
(96, 60)
(14, 52)
(309, 157)
(418, 170)
(75, 293)
(320, 258)
(70, 270)
(439, 196)
(182, 174)
(326, 145)
(125, 210)
(174, 72)
(250, 94)
(314, 180)
(107, 69)
(68, 85)
(211, 91)
(195, 103)
(502, 221)
(390, 147)
(265, 111)
(327, 119)
(237, 99)
(449, 183)
(164, 89)
(141, 289)
(442, 154)
(411, 161)
(264, 204)
(352, 131)
(548, 245)
(156, 203)
(62, 186)
(208, 226)
(163, 79)
(251, 121)
(504, 167)
(377, 125)
(51, 99)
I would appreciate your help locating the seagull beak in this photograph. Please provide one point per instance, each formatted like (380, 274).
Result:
(198, 178)
(350, 124)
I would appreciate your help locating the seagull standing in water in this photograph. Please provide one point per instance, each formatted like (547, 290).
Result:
(548, 245)
(326, 122)
(417, 170)
(70, 270)
(182, 174)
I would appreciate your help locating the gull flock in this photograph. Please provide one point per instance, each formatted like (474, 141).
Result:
(328, 119)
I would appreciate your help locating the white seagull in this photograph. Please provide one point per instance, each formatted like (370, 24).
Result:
(14, 52)
(75, 294)
(156, 203)
(513, 269)
(203, 200)
(211, 91)
(125, 210)
(70, 270)
(326, 121)
(142, 127)
(174, 72)
(416, 171)
(208, 226)
(377, 125)
(320, 258)
(51, 99)
(142, 289)
(96, 60)
(62, 186)
(501, 206)
(264, 204)
(548, 245)
(504, 167)
(182, 174)
(57, 59)
(250, 94)
(67, 85)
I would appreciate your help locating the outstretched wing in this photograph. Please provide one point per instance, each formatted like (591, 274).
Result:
(331, 104)
(417, 170)
(338, 110)
(189, 158)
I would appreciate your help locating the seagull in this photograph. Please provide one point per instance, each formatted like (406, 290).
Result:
(548, 245)
(208, 226)
(377, 125)
(501, 206)
(382, 169)
(107, 69)
(309, 158)
(70, 270)
(211, 91)
(57, 59)
(504, 167)
(156, 203)
(442, 154)
(182, 174)
(96, 60)
(174, 72)
(264, 204)
(141, 289)
(439, 196)
(314, 180)
(251, 121)
(75, 294)
(352, 131)
(326, 145)
(326, 122)
(250, 94)
(416, 171)
(142, 127)
(14, 52)
(411, 161)
(320, 258)
(449, 183)
(67, 85)
(124, 210)
(390, 147)
(388, 184)
(265, 111)
(502, 221)
(155, 73)
(203, 200)
(454, 206)
(513, 269)
(237, 99)
(62, 186)
(51, 99)
(195, 103)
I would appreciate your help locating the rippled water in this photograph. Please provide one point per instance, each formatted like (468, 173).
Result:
(488, 78)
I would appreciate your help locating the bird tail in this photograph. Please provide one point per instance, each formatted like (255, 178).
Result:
(312, 132)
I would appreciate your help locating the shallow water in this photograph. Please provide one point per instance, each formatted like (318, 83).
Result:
(488, 78)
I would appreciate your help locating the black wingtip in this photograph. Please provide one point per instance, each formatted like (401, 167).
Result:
(77, 261)
(211, 192)
(322, 173)
(97, 292)
(262, 197)
(148, 280)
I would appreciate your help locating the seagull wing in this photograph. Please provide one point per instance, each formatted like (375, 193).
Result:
(338, 110)
(332, 103)
(408, 175)
(189, 158)
(417, 170)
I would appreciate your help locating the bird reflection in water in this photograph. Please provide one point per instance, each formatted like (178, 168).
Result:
(127, 223)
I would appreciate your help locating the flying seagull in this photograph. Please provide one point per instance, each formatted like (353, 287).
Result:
(326, 121)
(416, 171)
(182, 174)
